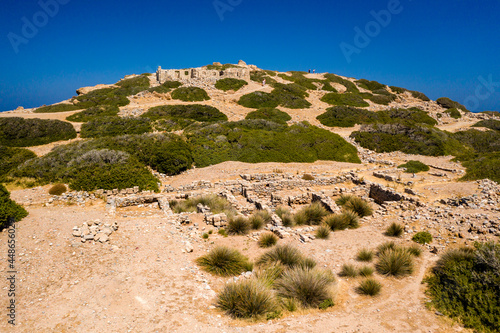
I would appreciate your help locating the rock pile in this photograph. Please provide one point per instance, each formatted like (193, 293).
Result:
(95, 230)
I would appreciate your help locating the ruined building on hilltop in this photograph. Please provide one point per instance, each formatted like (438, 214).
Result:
(188, 74)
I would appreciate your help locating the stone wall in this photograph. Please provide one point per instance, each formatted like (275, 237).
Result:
(189, 74)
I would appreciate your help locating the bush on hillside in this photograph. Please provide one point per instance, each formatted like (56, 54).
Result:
(11, 158)
(196, 112)
(20, 132)
(62, 107)
(230, 84)
(190, 94)
(488, 123)
(270, 114)
(479, 141)
(165, 87)
(346, 116)
(104, 96)
(224, 261)
(350, 86)
(259, 76)
(349, 99)
(447, 103)
(114, 126)
(215, 203)
(419, 95)
(414, 166)
(454, 113)
(311, 214)
(482, 166)
(9, 210)
(422, 237)
(291, 96)
(259, 99)
(94, 112)
(299, 79)
(465, 284)
(57, 189)
(370, 85)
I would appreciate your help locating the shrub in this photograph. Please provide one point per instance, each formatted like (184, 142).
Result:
(246, 299)
(57, 189)
(385, 246)
(447, 103)
(343, 199)
(327, 303)
(224, 261)
(10, 211)
(204, 235)
(256, 222)
(281, 211)
(454, 113)
(365, 255)
(419, 95)
(366, 271)
(288, 220)
(348, 270)
(267, 240)
(299, 79)
(264, 215)
(62, 107)
(415, 250)
(190, 94)
(94, 112)
(422, 237)
(230, 84)
(290, 304)
(370, 287)
(196, 112)
(465, 284)
(215, 203)
(382, 99)
(307, 176)
(323, 232)
(346, 116)
(311, 215)
(346, 219)
(114, 126)
(310, 287)
(358, 206)
(285, 255)
(344, 99)
(269, 274)
(394, 230)
(11, 158)
(238, 226)
(488, 123)
(259, 76)
(328, 87)
(482, 166)
(270, 114)
(396, 262)
(165, 87)
(370, 85)
(398, 90)
(350, 86)
(222, 232)
(290, 96)
(258, 100)
(20, 132)
(133, 85)
(414, 166)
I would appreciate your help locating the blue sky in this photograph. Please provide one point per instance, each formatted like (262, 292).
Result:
(442, 48)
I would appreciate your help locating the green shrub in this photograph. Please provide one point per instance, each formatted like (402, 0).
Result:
(288, 220)
(481, 166)
(267, 240)
(386, 246)
(382, 99)
(422, 237)
(105, 96)
(447, 103)
(197, 112)
(328, 87)
(20, 132)
(410, 139)
(114, 126)
(133, 85)
(312, 214)
(454, 113)
(365, 255)
(246, 299)
(415, 250)
(465, 285)
(394, 230)
(165, 87)
(222, 232)
(259, 76)
(348, 270)
(258, 100)
(396, 262)
(307, 176)
(488, 123)
(342, 221)
(230, 84)
(344, 99)
(204, 235)
(350, 86)
(281, 211)
(479, 141)
(286, 255)
(238, 225)
(257, 220)
(10, 211)
(370, 85)
(57, 189)
(269, 274)
(419, 95)
(398, 90)
(269, 114)
(190, 94)
(346, 116)
(94, 112)
(62, 107)
(414, 166)
(224, 261)
(366, 271)
(310, 287)
(343, 199)
(359, 206)
(289, 304)
(291, 96)
(11, 158)
(369, 287)
(327, 303)
(215, 203)
(323, 232)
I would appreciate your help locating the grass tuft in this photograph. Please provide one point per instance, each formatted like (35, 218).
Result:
(358, 206)
(267, 240)
(394, 230)
(370, 287)
(366, 271)
(348, 270)
(365, 255)
(224, 261)
(311, 215)
(238, 225)
(286, 255)
(396, 262)
(323, 232)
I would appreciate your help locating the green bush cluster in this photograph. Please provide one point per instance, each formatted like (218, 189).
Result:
(299, 79)
(114, 126)
(311, 214)
(11, 158)
(20, 132)
(215, 203)
(350, 99)
(415, 94)
(259, 76)
(94, 112)
(291, 96)
(230, 84)
(9, 210)
(413, 166)
(270, 114)
(62, 107)
(259, 99)
(479, 141)
(488, 123)
(422, 237)
(256, 141)
(447, 103)
(165, 87)
(57, 189)
(190, 94)
(196, 112)
(370, 85)
(481, 166)
(454, 113)
(465, 284)
(224, 261)
(267, 240)
(221, 67)
(350, 86)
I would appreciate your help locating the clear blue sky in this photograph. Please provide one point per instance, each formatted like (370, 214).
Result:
(442, 48)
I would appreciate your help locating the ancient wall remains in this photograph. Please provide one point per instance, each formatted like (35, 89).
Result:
(189, 74)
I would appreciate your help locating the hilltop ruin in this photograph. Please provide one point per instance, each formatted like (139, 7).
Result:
(241, 72)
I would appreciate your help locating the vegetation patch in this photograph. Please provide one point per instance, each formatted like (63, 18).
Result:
(224, 261)
(62, 107)
(196, 112)
(447, 103)
(94, 112)
(230, 84)
(105, 96)
(58, 189)
(267, 240)
(114, 126)
(286, 255)
(323, 232)
(488, 123)
(299, 79)
(349, 99)
(454, 113)
(370, 85)
(312, 214)
(413, 166)
(342, 221)
(20, 132)
(260, 76)
(291, 96)
(394, 230)
(238, 225)
(216, 204)
(190, 94)
(166, 87)
(350, 86)
(358, 206)
(11, 158)
(270, 114)
(259, 99)
(369, 287)
(395, 261)
(465, 284)
(9, 209)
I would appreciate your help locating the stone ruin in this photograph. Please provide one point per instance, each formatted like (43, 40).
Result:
(189, 74)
